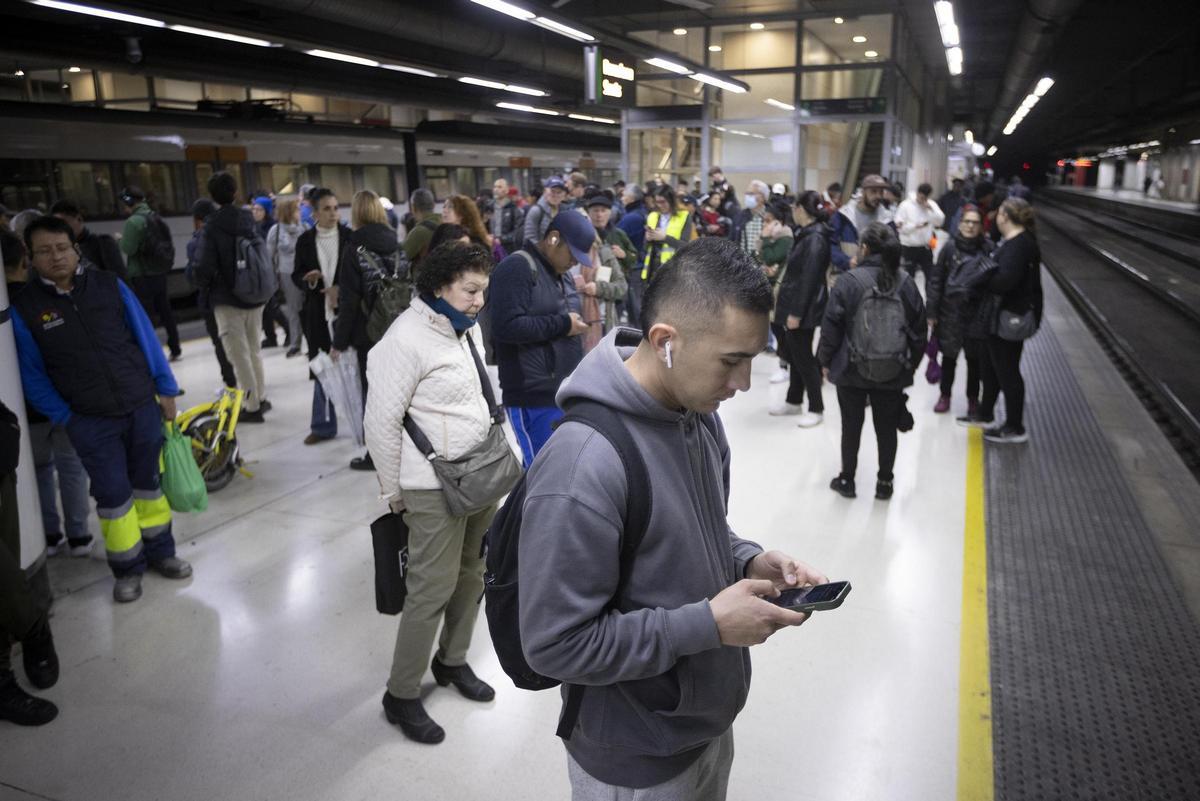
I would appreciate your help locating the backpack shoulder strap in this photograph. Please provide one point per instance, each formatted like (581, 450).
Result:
(533, 268)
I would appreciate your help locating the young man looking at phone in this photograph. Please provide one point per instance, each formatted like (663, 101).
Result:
(663, 649)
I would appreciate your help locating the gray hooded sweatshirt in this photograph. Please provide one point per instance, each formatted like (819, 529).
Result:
(660, 685)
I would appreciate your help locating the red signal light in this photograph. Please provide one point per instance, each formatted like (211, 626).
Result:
(1026, 166)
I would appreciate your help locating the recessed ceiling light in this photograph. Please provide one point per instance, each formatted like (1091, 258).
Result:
(756, 26)
(680, 31)
(838, 20)
(871, 54)
(74, 69)
(714, 48)
(19, 73)
(859, 39)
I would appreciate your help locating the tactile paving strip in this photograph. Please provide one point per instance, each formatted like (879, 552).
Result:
(1095, 659)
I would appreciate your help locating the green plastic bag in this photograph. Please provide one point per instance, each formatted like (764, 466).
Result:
(182, 482)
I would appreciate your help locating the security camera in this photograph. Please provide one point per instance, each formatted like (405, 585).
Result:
(133, 50)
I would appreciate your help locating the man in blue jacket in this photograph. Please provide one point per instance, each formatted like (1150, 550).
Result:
(90, 360)
(536, 328)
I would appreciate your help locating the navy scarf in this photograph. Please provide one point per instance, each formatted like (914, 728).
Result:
(460, 321)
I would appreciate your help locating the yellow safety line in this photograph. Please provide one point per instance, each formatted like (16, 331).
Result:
(976, 780)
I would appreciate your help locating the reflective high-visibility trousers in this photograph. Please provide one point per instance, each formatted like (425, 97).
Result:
(121, 456)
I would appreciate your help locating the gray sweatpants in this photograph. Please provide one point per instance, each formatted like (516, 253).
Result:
(706, 780)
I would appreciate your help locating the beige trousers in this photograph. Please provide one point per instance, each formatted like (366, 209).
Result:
(240, 330)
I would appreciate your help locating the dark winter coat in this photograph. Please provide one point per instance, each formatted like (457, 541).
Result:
(218, 256)
(1018, 277)
(802, 292)
(312, 314)
(954, 315)
(512, 226)
(103, 252)
(358, 283)
(834, 349)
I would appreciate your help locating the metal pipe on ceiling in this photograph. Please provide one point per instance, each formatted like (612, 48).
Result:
(1040, 25)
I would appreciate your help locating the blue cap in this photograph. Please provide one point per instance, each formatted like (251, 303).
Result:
(554, 182)
(577, 232)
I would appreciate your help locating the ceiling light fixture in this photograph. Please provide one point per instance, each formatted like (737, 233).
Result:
(506, 8)
(19, 74)
(872, 54)
(349, 59)
(530, 109)
(563, 30)
(714, 48)
(770, 101)
(669, 66)
(410, 70)
(100, 12)
(587, 118)
(1031, 100)
(969, 135)
(756, 26)
(858, 39)
(1043, 86)
(680, 31)
(948, 28)
(74, 69)
(838, 20)
(720, 83)
(507, 87)
(230, 37)
(991, 151)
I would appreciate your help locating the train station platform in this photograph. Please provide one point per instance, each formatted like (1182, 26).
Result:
(1173, 217)
(1023, 623)
(1130, 197)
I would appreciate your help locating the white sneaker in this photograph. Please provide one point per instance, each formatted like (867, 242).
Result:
(786, 409)
(810, 419)
(780, 375)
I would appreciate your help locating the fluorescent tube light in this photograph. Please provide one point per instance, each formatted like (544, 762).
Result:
(586, 118)
(991, 151)
(949, 35)
(969, 135)
(956, 68)
(530, 109)
(507, 87)
(482, 82)
(524, 90)
(100, 12)
(1043, 86)
(756, 26)
(349, 59)
(230, 37)
(562, 30)
(669, 66)
(944, 11)
(506, 8)
(410, 70)
(713, 80)
(770, 101)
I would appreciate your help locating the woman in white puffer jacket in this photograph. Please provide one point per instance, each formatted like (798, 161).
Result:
(423, 367)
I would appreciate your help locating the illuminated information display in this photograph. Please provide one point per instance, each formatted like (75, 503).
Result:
(610, 77)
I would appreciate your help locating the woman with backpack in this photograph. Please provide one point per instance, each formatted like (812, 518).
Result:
(281, 246)
(872, 338)
(427, 376)
(800, 306)
(373, 248)
(952, 307)
(1017, 287)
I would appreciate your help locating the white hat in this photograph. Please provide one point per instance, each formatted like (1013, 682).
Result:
(778, 189)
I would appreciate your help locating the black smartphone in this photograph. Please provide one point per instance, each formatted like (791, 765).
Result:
(813, 599)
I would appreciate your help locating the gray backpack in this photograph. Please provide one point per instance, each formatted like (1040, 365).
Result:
(254, 279)
(879, 331)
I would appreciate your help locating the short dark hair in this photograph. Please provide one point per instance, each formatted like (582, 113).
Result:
(319, 194)
(925, 189)
(446, 262)
(447, 232)
(702, 278)
(50, 224)
(203, 208)
(222, 187)
(421, 200)
(66, 207)
(13, 248)
(834, 187)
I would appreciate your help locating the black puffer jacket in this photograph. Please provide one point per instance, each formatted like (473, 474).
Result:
(358, 280)
(834, 349)
(954, 315)
(803, 293)
(218, 257)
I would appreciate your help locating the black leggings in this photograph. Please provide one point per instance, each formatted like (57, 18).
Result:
(971, 350)
(806, 373)
(1001, 369)
(886, 405)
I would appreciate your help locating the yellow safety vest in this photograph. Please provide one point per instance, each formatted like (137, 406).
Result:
(674, 230)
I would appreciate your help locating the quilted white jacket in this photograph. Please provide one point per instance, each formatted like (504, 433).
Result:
(422, 368)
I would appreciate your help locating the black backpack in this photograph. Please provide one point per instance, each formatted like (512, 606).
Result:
(879, 331)
(157, 251)
(503, 539)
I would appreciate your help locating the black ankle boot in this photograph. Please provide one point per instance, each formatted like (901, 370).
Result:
(843, 486)
(883, 489)
(39, 657)
(470, 685)
(20, 707)
(412, 719)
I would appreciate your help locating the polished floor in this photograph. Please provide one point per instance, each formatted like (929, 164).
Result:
(261, 677)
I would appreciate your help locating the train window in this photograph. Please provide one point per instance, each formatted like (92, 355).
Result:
(339, 178)
(490, 174)
(280, 179)
(437, 180)
(88, 184)
(464, 181)
(161, 183)
(24, 184)
(378, 179)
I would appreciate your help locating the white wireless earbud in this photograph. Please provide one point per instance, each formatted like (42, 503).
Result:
(667, 345)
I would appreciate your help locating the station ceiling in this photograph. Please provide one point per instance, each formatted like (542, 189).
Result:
(1119, 68)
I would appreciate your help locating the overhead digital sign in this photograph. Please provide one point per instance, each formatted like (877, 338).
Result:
(610, 77)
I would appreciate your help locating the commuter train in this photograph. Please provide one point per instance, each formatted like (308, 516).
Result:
(87, 155)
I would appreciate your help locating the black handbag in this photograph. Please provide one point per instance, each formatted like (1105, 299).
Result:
(389, 536)
(482, 475)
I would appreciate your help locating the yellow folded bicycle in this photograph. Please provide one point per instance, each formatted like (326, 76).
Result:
(212, 429)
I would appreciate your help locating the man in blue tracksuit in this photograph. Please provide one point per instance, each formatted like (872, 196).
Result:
(90, 360)
(535, 327)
